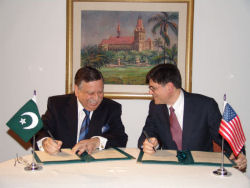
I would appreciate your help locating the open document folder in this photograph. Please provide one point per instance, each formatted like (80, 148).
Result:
(184, 157)
(67, 156)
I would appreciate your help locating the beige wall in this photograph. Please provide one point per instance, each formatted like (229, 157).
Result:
(32, 56)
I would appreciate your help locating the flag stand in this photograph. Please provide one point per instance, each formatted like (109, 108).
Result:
(222, 171)
(33, 166)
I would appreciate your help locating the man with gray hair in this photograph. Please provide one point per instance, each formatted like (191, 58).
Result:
(84, 120)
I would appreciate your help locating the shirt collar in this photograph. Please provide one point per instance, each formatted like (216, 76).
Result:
(79, 105)
(80, 109)
(179, 102)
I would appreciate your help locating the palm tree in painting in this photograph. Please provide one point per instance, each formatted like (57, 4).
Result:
(164, 22)
(171, 55)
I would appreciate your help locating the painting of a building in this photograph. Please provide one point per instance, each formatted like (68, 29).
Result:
(137, 42)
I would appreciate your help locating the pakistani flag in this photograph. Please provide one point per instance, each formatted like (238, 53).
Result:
(26, 122)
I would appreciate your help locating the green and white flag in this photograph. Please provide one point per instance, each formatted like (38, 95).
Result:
(26, 122)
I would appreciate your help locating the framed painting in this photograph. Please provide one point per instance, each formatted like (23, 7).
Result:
(125, 39)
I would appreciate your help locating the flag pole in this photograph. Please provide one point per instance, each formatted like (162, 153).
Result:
(33, 166)
(222, 171)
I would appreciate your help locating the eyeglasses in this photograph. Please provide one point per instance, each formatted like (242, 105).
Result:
(152, 88)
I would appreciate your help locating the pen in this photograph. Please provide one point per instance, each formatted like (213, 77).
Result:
(53, 138)
(147, 137)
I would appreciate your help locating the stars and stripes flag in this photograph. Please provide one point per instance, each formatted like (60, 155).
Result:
(231, 129)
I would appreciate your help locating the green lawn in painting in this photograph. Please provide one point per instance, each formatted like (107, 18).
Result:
(127, 75)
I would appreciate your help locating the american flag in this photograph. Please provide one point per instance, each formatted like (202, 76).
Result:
(231, 129)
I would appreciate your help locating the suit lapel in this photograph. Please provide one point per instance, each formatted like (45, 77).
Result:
(187, 122)
(96, 122)
(164, 116)
(71, 115)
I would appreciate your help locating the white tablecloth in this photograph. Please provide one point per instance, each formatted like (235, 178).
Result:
(121, 173)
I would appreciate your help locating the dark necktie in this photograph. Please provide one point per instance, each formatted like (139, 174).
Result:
(85, 126)
(175, 129)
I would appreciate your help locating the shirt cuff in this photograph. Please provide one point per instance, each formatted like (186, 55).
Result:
(40, 144)
(103, 142)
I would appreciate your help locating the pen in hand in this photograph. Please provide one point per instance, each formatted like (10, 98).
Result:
(53, 138)
(147, 137)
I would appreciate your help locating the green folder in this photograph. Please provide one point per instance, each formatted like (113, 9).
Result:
(185, 158)
(65, 156)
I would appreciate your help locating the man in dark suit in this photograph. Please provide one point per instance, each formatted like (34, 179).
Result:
(196, 117)
(84, 120)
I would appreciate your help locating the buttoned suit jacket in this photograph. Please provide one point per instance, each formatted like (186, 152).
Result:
(61, 118)
(201, 121)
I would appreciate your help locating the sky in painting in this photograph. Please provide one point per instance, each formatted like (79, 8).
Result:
(99, 25)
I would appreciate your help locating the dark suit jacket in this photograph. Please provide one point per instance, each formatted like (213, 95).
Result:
(61, 119)
(200, 124)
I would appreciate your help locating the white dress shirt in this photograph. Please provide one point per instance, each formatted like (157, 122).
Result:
(81, 116)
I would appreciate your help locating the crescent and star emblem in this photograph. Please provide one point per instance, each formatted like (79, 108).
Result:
(33, 117)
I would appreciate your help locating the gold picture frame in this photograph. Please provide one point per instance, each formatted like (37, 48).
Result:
(185, 44)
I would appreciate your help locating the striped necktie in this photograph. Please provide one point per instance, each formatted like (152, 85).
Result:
(175, 129)
(85, 125)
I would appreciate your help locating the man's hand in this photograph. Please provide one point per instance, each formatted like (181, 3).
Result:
(240, 160)
(88, 145)
(51, 146)
(148, 147)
